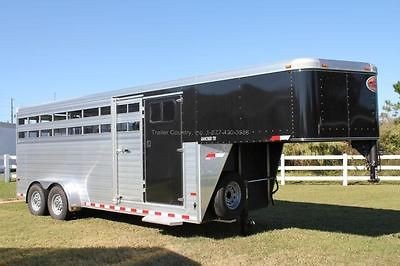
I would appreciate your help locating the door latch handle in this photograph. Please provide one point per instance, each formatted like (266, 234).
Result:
(123, 150)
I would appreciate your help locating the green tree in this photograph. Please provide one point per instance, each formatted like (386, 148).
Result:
(389, 140)
(390, 124)
(391, 109)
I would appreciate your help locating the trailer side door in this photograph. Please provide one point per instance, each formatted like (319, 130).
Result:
(163, 149)
(127, 132)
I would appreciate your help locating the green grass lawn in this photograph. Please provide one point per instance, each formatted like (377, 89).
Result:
(309, 224)
(7, 190)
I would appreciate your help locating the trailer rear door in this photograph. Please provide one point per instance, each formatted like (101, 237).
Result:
(163, 144)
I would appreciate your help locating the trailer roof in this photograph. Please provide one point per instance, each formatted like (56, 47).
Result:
(295, 64)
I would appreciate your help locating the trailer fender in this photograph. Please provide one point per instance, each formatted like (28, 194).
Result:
(212, 160)
(72, 190)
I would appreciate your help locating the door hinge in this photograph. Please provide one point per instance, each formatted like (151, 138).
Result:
(179, 150)
(179, 100)
(180, 199)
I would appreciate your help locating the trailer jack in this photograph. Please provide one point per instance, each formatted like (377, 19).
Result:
(369, 149)
(246, 223)
(373, 177)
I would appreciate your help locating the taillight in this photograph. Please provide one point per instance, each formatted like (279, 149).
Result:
(372, 83)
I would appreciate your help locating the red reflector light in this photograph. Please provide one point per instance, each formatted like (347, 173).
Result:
(372, 83)
(275, 138)
(211, 155)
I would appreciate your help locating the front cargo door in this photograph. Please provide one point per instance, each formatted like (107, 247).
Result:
(333, 104)
(163, 149)
(128, 148)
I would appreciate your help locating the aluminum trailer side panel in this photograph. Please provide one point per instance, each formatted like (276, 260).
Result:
(82, 165)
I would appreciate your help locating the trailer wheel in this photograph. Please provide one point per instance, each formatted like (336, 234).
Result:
(58, 203)
(37, 200)
(230, 197)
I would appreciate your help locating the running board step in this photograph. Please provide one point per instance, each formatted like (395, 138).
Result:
(162, 220)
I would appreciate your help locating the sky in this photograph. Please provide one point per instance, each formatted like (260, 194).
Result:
(65, 49)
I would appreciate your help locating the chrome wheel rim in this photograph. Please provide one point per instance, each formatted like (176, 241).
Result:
(57, 204)
(36, 201)
(233, 195)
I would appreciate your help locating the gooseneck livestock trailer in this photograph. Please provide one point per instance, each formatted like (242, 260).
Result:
(192, 150)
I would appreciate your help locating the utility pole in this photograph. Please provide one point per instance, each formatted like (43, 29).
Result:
(12, 110)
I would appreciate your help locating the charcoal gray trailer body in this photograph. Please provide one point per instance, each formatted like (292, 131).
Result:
(191, 150)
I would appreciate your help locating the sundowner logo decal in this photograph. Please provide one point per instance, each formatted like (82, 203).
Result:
(371, 83)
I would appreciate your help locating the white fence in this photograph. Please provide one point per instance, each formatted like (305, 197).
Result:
(344, 168)
(8, 166)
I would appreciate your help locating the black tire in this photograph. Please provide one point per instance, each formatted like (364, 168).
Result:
(230, 196)
(58, 203)
(37, 200)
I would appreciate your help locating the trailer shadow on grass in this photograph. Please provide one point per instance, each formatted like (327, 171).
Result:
(92, 256)
(330, 218)
(285, 214)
